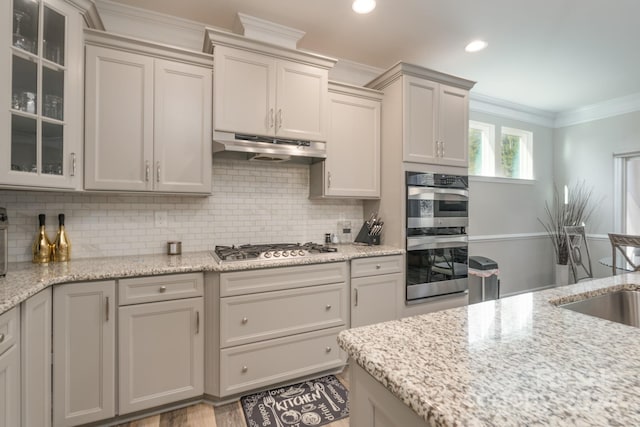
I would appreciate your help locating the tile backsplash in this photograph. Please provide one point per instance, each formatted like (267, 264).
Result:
(250, 203)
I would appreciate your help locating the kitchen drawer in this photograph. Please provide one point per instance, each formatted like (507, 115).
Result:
(257, 317)
(273, 279)
(160, 288)
(9, 328)
(251, 366)
(363, 267)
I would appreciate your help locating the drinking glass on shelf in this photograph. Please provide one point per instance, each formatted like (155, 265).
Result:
(19, 40)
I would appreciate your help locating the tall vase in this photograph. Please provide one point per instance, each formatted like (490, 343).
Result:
(562, 274)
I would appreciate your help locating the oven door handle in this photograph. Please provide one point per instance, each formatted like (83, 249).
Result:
(428, 193)
(430, 242)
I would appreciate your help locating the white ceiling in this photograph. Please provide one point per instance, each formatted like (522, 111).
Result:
(554, 55)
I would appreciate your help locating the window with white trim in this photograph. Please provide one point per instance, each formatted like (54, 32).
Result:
(509, 157)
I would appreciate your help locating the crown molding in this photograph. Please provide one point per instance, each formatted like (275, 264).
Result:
(145, 24)
(602, 110)
(267, 31)
(354, 72)
(498, 107)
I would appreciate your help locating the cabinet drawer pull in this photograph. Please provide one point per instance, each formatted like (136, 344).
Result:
(197, 322)
(244, 369)
(244, 320)
(328, 307)
(328, 349)
(163, 289)
(1, 338)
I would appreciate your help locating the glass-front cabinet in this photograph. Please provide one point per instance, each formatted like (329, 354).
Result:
(41, 128)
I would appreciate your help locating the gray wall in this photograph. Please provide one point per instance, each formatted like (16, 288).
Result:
(504, 215)
(585, 152)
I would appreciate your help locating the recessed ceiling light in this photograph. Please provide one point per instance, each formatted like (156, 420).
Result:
(476, 46)
(363, 6)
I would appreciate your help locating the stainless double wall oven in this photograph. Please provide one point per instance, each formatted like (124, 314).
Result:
(437, 242)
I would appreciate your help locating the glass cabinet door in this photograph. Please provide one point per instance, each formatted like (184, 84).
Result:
(38, 71)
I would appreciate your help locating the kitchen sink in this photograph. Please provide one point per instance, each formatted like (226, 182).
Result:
(621, 306)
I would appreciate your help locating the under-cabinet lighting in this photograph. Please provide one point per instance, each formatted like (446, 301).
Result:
(363, 6)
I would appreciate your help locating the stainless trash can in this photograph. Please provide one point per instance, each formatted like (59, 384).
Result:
(484, 284)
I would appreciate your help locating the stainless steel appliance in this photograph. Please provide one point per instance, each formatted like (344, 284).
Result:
(4, 241)
(269, 251)
(269, 149)
(437, 242)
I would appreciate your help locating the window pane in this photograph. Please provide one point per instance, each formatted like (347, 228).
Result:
(52, 149)
(53, 42)
(475, 151)
(53, 89)
(25, 25)
(23, 144)
(510, 156)
(25, 85)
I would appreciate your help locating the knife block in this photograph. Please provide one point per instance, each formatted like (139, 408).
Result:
(364, 236)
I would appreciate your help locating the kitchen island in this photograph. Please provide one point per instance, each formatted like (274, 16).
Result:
(516, 361)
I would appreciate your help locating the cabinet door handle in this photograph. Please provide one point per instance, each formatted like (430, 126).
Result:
(157, 171)
(328, 307)
(271, 117)
(245, 369)
(197, 322)
(328, 179)
(147, 171)
(1, 338)
(441, 148)
(355, 297)
(73, 164)
(328, 349)
(163, 289)
(107, 308)
(244, 320)
(279, 121)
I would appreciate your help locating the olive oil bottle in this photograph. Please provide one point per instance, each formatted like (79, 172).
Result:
(62, 245)
(42, 247)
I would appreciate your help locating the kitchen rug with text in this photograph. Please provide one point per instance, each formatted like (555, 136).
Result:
(311, 403)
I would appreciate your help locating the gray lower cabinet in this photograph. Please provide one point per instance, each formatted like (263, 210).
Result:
(35, 325)
(161, 344)
(273, 325)
(10, 368)
(84, 331)
(374, 283)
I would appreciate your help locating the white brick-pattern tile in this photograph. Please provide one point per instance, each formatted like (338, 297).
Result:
(250, 203)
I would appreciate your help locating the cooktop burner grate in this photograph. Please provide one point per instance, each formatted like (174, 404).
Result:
(270, 251)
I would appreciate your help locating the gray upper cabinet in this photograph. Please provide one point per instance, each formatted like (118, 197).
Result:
(352, 167)
(148, 117)
(267, 90)
(41, 94)
(428, 111)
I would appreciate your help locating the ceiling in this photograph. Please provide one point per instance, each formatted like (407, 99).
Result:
(554, 55)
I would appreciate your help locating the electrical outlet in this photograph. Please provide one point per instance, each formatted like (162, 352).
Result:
(161, 219)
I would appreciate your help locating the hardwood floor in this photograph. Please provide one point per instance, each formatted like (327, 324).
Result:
(203, 415)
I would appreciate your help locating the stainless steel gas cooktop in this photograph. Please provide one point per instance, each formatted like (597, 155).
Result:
(270, 251)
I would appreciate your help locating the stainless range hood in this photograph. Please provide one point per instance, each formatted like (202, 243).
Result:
(267, 149)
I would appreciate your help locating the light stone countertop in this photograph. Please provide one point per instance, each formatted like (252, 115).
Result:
(26, 279)
(516, 361)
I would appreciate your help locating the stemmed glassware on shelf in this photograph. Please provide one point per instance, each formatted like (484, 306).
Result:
(20, 40)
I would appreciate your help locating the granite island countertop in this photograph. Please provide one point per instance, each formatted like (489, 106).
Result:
(26, 279)
(516, 361)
